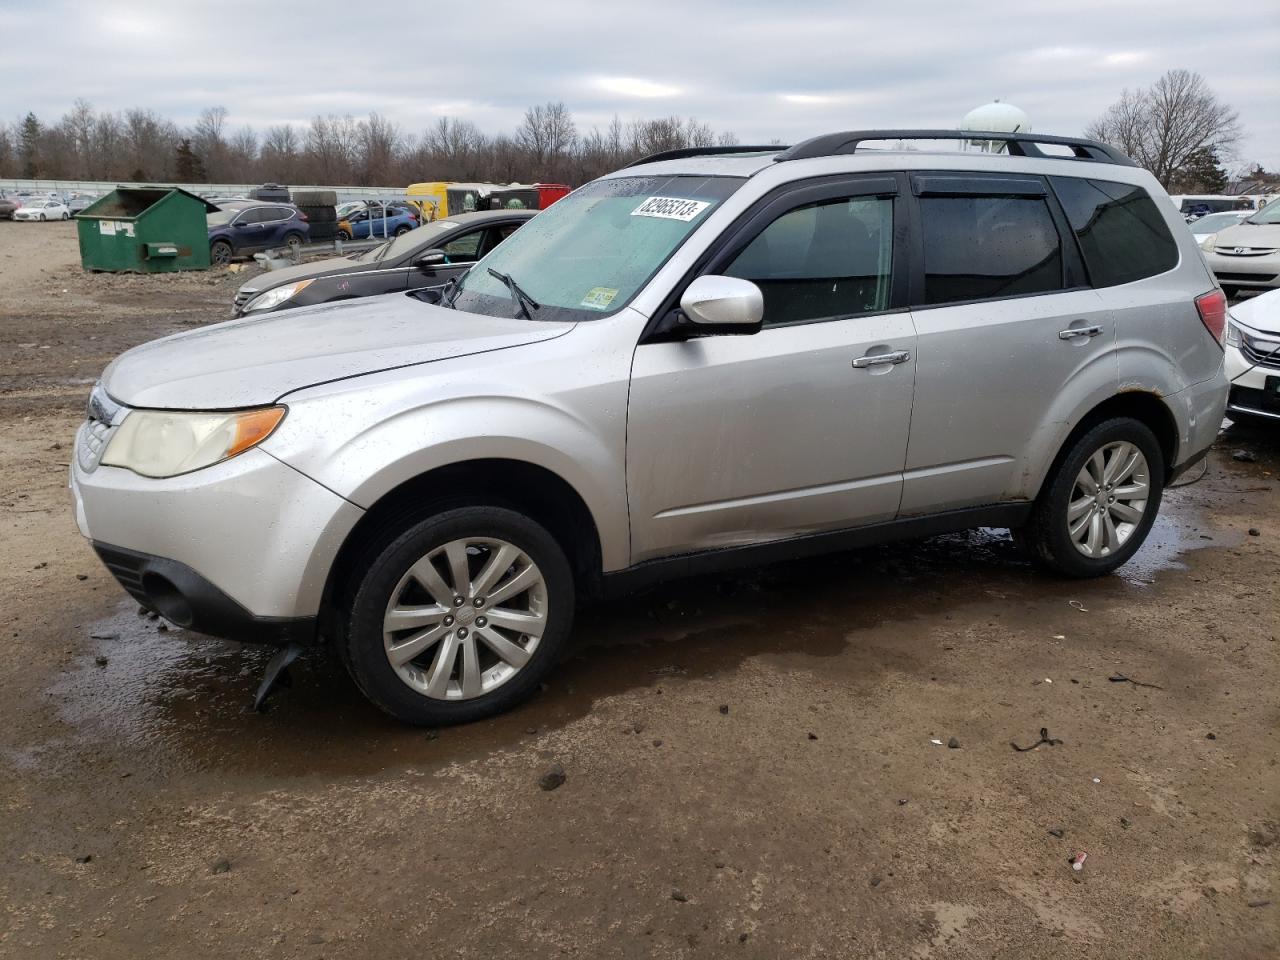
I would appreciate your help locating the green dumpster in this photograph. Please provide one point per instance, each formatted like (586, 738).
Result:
(145, 229)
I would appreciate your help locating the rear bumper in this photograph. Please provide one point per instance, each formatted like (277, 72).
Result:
(1198, 411)
(185, 598)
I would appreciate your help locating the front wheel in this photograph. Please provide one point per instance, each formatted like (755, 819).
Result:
(43, 218)
(220, 252)
(1099, 502)
(66, 216)
(459, 617)
(344, 235)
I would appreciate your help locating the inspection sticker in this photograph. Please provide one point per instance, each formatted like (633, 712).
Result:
(670, 208)
(599, 298)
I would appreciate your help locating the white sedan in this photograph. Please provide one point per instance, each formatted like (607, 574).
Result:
(42, 209)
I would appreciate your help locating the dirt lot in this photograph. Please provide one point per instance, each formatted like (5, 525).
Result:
(757, 765)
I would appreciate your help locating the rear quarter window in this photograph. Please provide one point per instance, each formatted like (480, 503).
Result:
(1122, 235)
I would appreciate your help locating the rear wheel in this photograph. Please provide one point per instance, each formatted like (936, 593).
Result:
(294, 242)
(66, 216)
(401, 231)
(220, 252)
(459, 617)
(1100, 501)
(43, 218)
(344, 235)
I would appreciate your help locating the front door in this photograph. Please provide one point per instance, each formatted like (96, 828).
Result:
(802, 427)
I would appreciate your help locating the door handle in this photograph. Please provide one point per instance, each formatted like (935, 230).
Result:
(875, 359)
(1072, 332)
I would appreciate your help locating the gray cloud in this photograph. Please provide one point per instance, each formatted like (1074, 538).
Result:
(760, 69)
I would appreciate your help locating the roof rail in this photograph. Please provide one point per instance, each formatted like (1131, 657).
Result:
(686, 152)
(1018, 144)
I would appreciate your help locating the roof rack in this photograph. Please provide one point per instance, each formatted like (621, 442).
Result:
(686, 152)
(1018, 144)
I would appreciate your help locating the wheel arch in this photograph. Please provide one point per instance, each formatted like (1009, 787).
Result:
(537, 492)
(1144, 406)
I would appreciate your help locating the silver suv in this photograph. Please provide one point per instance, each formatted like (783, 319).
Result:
(710, 358)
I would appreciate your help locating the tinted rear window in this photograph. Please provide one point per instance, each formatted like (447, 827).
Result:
(978, 248)
(1122, 235)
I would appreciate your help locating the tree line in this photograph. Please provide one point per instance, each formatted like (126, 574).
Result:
(141, 145)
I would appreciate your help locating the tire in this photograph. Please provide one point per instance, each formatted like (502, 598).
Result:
(320, 214)
(405, 691)
(66, 216)
(43, 218)
(293, 241)
(1048, 538)
(322, 231)
(220, 252)
(343, 235)
(401, 231)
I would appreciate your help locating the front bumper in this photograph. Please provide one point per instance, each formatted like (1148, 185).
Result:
(183, 597)
(1249, 272)
(250, 531)
(1249, 385)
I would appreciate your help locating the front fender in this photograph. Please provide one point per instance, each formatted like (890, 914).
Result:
(346, 440)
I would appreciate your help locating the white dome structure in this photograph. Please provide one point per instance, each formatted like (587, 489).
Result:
(997, 117)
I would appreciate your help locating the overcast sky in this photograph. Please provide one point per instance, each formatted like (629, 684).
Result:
(760, 68)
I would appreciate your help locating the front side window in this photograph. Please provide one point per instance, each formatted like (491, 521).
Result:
(465, 248)
(590, 253)
(829, 259)
(1122, 235)
(981, 248)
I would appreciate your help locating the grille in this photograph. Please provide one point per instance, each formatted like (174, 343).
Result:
(94, 433)
(243, 297)
(1245, 277)
(1252, 399)
(1244, 251)
(1265, 353)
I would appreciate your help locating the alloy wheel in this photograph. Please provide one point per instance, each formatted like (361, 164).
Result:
(1109, 499)
(465, 618)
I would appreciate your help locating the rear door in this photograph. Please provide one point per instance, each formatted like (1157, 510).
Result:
(1009, 334)
(802, 427)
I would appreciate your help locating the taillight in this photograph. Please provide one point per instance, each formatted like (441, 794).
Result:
(303, 217)
(1213, 313)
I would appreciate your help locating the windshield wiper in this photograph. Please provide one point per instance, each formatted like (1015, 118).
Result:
(522, 299)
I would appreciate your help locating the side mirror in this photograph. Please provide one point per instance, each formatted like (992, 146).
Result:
(430, 258)
(725, 305)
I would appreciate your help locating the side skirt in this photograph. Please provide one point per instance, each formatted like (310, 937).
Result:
(653, 572)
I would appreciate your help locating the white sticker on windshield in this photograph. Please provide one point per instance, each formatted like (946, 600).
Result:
(599, 298)
(670, 208)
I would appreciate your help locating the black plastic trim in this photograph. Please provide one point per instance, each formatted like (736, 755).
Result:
(653, 572)
(187, 599)
(686, 152)
(1018, 144)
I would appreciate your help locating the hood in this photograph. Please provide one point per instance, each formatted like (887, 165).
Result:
(303, 271)
(258, 359)
(1261, 312)
(1266, 235)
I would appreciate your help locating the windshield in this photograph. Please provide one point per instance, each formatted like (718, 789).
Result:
(422, 238)
(590, 253)
(1268, 214)
(1214, 222)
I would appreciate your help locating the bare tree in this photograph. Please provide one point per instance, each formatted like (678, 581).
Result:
(209, 141)
(548, 135)
(379, 147)
(1164, 126)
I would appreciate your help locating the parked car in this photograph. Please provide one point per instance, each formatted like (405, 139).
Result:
(1247, 256)
(695, 362)
(430, 256)
(76, 202)
(1253, 360)
(7, 207)
(378, 220)
(42, 208)
(1205, 227)
(237, 232)
(1194, 206)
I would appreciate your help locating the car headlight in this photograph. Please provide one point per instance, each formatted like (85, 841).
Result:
(276, 296)
(1207, 243)
(1233, 335)
(165, 443)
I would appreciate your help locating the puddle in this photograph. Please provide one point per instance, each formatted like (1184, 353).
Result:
(171, 701)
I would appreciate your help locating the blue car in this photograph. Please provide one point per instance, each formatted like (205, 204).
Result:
(245, 229)
(394, 220)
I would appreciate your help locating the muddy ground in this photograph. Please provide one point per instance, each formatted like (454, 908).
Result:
(757, 765)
